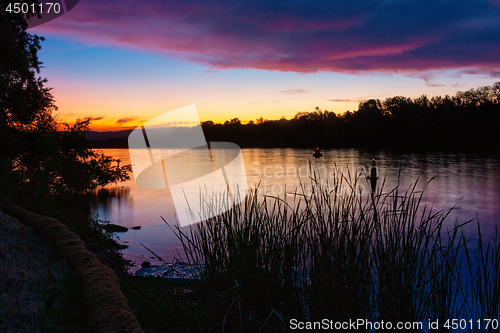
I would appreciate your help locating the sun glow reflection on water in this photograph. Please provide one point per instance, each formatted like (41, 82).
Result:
(472, 183)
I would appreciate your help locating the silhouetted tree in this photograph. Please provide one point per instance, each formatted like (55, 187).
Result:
(35, 157)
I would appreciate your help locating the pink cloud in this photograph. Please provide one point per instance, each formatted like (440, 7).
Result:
(368, 35)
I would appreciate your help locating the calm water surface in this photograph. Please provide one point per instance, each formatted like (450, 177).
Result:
(472, 183)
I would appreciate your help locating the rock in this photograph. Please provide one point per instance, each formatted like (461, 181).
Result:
(145, 264)
(137, 227)
(114, 228)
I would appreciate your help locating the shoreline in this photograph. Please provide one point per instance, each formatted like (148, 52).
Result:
(107, 306)
(30, 272)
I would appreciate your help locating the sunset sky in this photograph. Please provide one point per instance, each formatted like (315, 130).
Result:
(124, 62)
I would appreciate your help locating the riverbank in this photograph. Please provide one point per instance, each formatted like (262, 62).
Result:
(106, 306)
(30, 274)
(41, 293)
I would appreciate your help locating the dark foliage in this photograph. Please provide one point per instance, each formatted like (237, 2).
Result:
(469, 119)
(36, 159)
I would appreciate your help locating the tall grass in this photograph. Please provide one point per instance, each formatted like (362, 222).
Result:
(484, 280)
(345, 255)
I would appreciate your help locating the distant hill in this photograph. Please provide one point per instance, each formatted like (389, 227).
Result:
(94, 135)
(167, 137)
(109, 139)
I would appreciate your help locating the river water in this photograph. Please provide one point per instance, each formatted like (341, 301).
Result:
(469, 182)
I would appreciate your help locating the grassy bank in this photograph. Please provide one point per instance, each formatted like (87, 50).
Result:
(324, 254)
(62, 300)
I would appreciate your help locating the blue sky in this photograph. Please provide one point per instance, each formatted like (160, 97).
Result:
(122, 63)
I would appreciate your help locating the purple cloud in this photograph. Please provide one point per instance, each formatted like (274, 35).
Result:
(95, 118)
(345, 100)
(300, 36)
(125, 120)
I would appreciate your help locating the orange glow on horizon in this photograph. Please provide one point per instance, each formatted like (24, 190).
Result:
(113, 124)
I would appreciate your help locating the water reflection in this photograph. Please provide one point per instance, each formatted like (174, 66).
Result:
(472, 183)
(107, 196)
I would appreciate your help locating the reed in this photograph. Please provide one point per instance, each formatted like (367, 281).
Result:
(483, 280)
(320, 254)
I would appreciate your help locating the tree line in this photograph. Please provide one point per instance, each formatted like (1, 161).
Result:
(469, 120)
